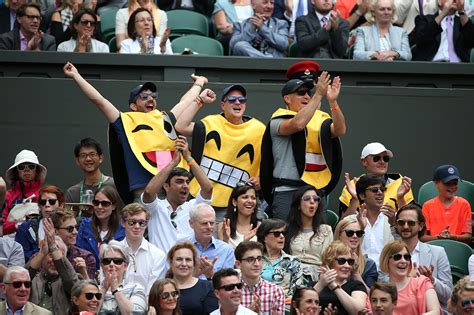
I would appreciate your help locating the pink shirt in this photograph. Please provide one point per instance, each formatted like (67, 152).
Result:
(23, 42)
(412, 299)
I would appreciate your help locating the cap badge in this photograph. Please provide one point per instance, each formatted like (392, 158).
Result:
(451, 170)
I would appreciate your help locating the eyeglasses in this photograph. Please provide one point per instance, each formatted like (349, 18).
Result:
(377, 158)
(91, 155)
(132, 222)
(233, 99)
(172, 216)
(350, 233)
(341, 261)
(277, 233)
(316, 198)
(144, 96)
(252, 260)
(43, 202)
(230, 287)
(377, 189)
(409, 222)
(22, 167)
(166, 295)
(87, 22)
(303, 92)
(32, 17)
(467, 303)
(91, 295)
(116, 261)
(397, 257)
(18, 284)
(103, 203)
(69, 228)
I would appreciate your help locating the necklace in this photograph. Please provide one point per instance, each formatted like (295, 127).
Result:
(81, 193)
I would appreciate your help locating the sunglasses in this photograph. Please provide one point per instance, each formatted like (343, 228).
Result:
(245, 184)
(252, 260)
(43, 202)
(144, 96)
(467, 303)
(233, 99)
(18, 284)
(277, 233)
(132, 222)
(87, 22)
(230, 287)
(116, 261)
(172, 216)
(350, 233)
(90, 295)
(377, 158)
(409, 222)
(103, 203)
(22, 167)
(69, 228)
(303, 92)
(397, 257)
(377, 189)
(342, 261)
(315, 198)
(166, 295)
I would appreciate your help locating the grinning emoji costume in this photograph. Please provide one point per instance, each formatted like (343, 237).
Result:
(141, 144)
(318, 157)
(227, 153)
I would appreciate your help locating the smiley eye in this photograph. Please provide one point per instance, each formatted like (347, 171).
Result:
(217, 138)
(247, 149)
(168, 127)
(142, 127)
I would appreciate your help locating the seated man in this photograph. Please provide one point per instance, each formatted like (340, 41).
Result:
(258, 294)
(260, 35)
(290, 11)
(445, 36)
(322, 33)
(375, 159)
(383, 298)
(16, 287)
(228, 290)
(462, 298)
(447, 215)
(8, 11)
(27, 36)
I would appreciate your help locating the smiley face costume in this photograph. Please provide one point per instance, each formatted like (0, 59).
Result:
(227, 153)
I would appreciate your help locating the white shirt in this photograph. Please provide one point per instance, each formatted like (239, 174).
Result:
(97, 46)
(130, 46)
(161, 231)
(374, 237)
(470, 264)
(293, 14)
(240, 311)
(146, 265)
(443, 53)
(415, 256)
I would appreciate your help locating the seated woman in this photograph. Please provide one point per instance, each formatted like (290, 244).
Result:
(143, 38)
(305, 301)
(119, 297)
(335, 285)
(416, 295)
(196, 295)
(86, 297)
(351, 232)
(164, 298)
(381, 40)
(240, 222)
(278, 267)
(306, 236)
(82, 34)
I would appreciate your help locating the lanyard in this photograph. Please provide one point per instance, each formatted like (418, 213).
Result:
(81, 193)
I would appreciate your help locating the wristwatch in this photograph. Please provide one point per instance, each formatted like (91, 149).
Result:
(461, 13)
(53, 248)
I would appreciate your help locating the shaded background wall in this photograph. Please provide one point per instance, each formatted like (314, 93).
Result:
(422, 112)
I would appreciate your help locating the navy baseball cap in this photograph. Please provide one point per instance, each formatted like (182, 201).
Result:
(293, 86)
(446, 173)
(231, 88)
(138, 89)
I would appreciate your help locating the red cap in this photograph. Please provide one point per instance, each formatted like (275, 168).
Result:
(303, 70)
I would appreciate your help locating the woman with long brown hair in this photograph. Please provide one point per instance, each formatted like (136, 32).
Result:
(164, 298)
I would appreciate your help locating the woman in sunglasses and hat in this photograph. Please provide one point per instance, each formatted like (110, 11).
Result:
(25, 177)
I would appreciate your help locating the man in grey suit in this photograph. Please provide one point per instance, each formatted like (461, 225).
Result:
(27, 36)
(260, 35)
(16, 287)
(428, 260)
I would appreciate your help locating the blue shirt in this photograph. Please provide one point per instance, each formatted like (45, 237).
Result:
(216, 248)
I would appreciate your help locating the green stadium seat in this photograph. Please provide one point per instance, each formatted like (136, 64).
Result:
(113, 45)
(184, 22)
(458, 255)
(293, 50)
(332, 218)
(198, 44)
(107, 24)
(428, 191)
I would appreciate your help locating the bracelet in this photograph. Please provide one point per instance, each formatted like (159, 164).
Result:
(200, 85)
(461, 12)
(115, 291)
(198, 101)
(335, 288)
(53, 248)
(357, 12)
(335, 108)
(190, 161)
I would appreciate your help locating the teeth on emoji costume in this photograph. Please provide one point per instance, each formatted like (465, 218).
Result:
(227, 153)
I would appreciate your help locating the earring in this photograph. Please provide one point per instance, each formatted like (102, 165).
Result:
(235, 209)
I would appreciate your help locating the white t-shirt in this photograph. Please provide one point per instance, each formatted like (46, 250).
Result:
(130, 46)
(240, 311)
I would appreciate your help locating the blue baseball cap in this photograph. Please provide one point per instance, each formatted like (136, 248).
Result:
(138, 89)
(446, 173)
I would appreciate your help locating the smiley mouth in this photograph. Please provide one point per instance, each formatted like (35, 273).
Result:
(150, 157)
(315, 162)
(222, 173)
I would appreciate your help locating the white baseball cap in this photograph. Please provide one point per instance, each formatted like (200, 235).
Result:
(374, 148)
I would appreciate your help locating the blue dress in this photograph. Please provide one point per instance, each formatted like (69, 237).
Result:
(199, 299)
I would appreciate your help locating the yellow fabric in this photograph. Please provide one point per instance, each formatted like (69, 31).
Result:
(317, 175)
(236, 141)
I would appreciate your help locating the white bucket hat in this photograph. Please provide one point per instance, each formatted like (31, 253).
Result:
(26, 156)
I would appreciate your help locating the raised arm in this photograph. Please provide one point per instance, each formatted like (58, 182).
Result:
(107, 108)
(338, 126)
(189, 96)
(185, 124)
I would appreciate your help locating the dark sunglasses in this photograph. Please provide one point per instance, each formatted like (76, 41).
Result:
(277, 233)
(174, 294)
(341, 261)
(116, 261)
(103, 203)
(377, 189)
(87, 22)
(403, 222)
(70, 228)
(172, 216)
(22, 167)
(132, 222)
(230, 287)
(377, 158)
(18, 284)
(350, 233)
(467, 303)
(397, 257)
(233, 99)
(315, 198)
(52, 202)
(303, 92)
(144, 96)
(90, 296)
